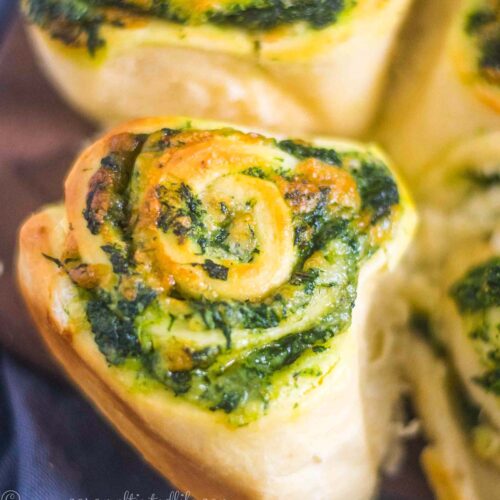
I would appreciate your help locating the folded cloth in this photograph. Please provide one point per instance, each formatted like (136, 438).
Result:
(54, 446)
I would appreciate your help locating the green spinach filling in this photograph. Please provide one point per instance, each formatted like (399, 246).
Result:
(129, 322)
(484, 26)
(183, 214)
(77, 22)
(477, 297)
(479, 289)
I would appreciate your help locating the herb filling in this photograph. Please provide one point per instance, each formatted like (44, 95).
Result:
(477, 296)
(483, 25)
(131, 324)
(79, 22)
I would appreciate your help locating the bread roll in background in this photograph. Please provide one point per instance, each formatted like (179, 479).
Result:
(445, 83)
(291, 66)
(452, 282)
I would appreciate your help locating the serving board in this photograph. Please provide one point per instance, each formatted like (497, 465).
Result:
(39, 137)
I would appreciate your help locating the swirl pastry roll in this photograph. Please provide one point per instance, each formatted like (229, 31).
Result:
(311, 65)
(455, 343)
(207, 288)
(453, 89)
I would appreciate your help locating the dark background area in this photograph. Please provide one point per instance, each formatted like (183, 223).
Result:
(53, 445)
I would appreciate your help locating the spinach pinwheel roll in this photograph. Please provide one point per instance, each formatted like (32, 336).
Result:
(314, 65)
(207, 288)
(455, 337)
(453, 88)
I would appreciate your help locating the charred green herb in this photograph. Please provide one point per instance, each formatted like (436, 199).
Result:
(215, 271)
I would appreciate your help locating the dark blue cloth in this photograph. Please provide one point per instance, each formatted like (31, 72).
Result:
(7, 8)
(53, 445)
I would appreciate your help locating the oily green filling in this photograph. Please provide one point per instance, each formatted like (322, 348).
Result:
(115, 323)
(77, 22)
(250, 378)
(483, 25)
(222, 376)
(476, 296)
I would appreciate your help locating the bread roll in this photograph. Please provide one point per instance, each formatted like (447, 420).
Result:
(446, 84)
(292, 66)
(207, 288)
(454, 286)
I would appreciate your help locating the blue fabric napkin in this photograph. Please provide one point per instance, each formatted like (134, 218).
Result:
(53, 445)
